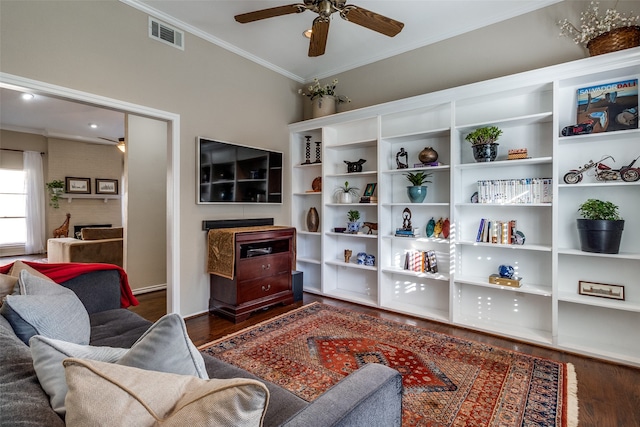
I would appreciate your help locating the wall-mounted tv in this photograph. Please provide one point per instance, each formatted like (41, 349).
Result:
(233, 173)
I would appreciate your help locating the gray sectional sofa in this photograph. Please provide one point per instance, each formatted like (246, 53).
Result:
(372, 396)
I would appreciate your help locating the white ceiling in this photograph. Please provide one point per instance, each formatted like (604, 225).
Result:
(276, 43)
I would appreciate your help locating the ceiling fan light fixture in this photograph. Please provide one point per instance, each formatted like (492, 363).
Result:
(28, 96)
(307, 33)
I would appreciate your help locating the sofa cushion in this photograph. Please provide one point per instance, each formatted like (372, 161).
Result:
(109, 394)
(7, 283)
(117, 328)
(46, 308)
(19, 266)
(99, 233)
(164, 347)
(22, 400)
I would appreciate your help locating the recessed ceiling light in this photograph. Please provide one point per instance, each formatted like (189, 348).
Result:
(307, 33)
(27, 96)
(93, 125)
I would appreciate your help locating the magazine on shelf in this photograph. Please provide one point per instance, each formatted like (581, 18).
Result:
(609, 106)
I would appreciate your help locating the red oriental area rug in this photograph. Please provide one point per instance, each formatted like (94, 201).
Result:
(447, 381)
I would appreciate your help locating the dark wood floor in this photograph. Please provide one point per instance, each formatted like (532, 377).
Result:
(608, 394)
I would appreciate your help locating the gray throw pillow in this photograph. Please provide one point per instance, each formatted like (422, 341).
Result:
(164, 347)
(46, 308)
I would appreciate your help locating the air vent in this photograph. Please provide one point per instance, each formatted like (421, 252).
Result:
(165, 33)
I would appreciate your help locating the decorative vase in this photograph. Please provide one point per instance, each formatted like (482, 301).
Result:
(313, 220)
(485, 152)
(428, 155)
(345, 198)
(353, 226)
(416, 193)
(600, 236)
(323, 106)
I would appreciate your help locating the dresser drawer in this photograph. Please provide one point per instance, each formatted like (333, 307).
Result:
(252, 268)
(263, 287)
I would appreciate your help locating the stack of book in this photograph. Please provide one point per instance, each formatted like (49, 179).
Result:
(368, 199)
(421, 261)
(424, 165)
(494, 231)
(401, 232)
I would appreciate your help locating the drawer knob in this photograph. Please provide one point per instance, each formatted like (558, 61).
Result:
(266, 267)
(266, 288)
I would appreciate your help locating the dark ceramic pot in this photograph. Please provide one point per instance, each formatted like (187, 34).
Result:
(485, 152)
(600, 236)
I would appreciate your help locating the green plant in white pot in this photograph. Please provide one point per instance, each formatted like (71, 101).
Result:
(600, 228)
(483, 142)
(417, 192)
(56, 188)
(345, 193)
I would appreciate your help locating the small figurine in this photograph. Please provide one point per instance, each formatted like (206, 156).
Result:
(354, 166)
(347, 255)
(506, 271)
(446, 228)
(404, 154)
(406, 219)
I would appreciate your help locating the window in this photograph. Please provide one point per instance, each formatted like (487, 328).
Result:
(13, 201)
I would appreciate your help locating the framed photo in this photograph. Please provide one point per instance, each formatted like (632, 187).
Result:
(75, 185)
(610, 106)
(601, 290)
(369, 189)
(106, 186)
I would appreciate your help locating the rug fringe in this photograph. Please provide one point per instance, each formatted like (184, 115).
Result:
(241, 331)
(572, 396)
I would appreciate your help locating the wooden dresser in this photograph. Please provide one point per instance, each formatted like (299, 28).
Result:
(261, 275)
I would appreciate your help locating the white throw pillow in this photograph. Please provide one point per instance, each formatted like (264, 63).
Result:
(109, 394)
(45, 308)
(164, 347)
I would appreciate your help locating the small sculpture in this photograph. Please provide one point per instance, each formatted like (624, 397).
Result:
(318, 152)
(354, 166)
(438, 228)
(431, 225)
(506, 271)
(361, 257)
(428, 155)
(63, 230)
(371, 226)
(347, 255)
(307, 151)
(404, 154)
(406, 219)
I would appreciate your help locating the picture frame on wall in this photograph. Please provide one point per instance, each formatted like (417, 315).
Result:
(106, 186)
(74, 185)
(601, 290)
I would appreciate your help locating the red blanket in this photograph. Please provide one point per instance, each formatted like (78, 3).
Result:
(61, 272)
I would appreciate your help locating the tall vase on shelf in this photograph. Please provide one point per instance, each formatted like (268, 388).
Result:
(323, 106)
(313, 220)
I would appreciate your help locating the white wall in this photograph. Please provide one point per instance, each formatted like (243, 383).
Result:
(146, 202)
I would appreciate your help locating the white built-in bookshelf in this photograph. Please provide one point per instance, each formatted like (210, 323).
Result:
(531, 108)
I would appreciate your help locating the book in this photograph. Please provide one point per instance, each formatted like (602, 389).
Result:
(610, 106)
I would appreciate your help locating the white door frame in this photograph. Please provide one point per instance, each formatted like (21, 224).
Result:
(13, 82)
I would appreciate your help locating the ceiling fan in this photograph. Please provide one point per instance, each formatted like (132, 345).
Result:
(325, 8)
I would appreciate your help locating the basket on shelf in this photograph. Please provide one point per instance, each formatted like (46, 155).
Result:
(614, 40)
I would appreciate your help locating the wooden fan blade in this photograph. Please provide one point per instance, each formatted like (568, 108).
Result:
(319, 34)
(269, 13)
(371, 20)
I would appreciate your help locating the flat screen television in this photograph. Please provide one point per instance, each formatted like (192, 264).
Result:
(233, 173)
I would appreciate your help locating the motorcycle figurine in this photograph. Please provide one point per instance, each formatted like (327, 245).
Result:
(603, 172)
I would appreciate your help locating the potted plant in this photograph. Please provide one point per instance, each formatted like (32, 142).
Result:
(346, 193)
(605, 33)
(417, 192)
(323, 98)
(600, 229)
(56, 188)
(483, 142)
(353, 223)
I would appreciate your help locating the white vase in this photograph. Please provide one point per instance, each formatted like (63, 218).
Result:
(345, 198)
(323, 106)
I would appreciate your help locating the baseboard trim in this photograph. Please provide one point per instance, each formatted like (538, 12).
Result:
(148, 289)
